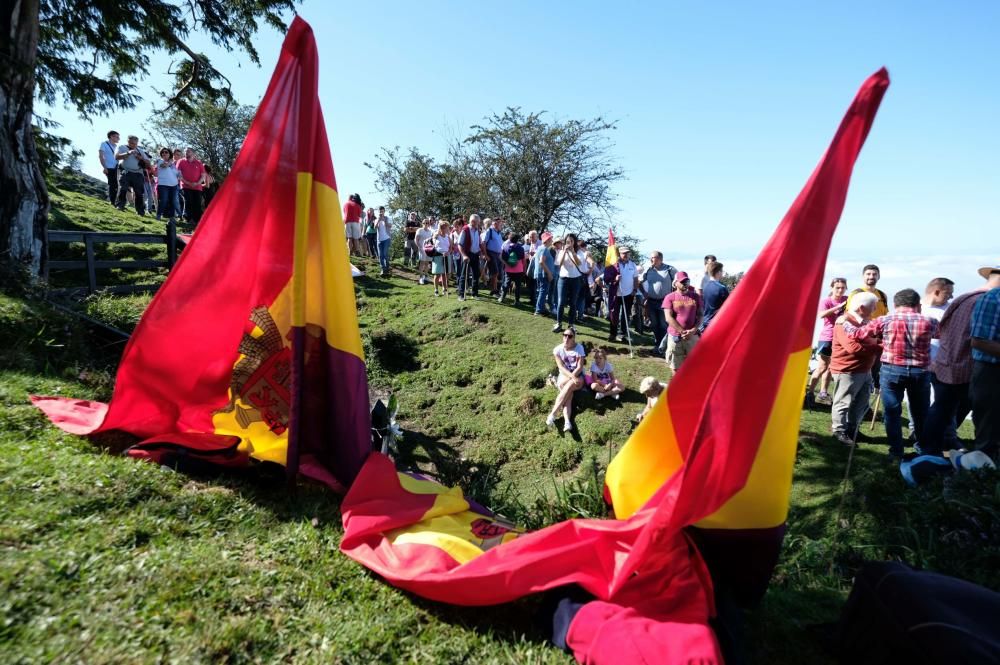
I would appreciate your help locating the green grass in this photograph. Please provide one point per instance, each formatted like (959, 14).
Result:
(104, 559)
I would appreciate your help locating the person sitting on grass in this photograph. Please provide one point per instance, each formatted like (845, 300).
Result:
(602, 377)
(651, 389)
(439, 265)
(570, 357)
(422, 236)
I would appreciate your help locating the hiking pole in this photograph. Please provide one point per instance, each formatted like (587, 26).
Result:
(628, 331)
(878, 399)
(843, 495)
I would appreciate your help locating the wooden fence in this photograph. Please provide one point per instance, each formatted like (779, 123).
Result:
(92, 264)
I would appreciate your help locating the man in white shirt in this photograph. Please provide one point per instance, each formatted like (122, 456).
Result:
(622, 280)
(109, 164)
(937, 295)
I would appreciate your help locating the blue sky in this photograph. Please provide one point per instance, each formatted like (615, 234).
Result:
(723, 111)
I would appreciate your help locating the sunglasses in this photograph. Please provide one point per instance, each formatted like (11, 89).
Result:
(568, 335)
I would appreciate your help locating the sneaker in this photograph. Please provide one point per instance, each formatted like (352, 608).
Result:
(500, 299)
(436, 294)
(568, 427)
(550, 421)
(598, 395)
(843, 438)
(824, 396)
(462, 298)
(618, 397)
(557, 328)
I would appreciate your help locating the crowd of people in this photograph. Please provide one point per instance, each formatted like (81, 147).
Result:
(175, 185)
(941, 355)
(944, 360)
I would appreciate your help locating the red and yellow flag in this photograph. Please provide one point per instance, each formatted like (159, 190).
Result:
(611, 258)
(252, 344)
(716, 454)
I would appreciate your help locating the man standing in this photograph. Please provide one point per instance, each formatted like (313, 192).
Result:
(352, 224)
(109, 164)
(545, 266)
(938, 293)
(469, 247)
(411, 253)
(709, 259)
(984, 388)
(870, 275)
(493, 240)
(621, 291)
(906, 356)
(951, 372)
(683, 311)
(713, 293)
(192, 182)
(851, 366)
(656, 283)
(130, 160)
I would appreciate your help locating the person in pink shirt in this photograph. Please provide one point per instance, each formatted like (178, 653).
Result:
(192, 172)
(512, 256)
(683, 310)
(829, 309)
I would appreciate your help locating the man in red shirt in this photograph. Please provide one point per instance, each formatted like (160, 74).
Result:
(683, 311)
(851, 366)
(192, 182)
(352, 223)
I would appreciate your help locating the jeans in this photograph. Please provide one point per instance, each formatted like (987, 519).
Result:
(410, 251)
(567, 295)
(984, 393)
(582, 293)
(383, 254)
(132, 180)
(192, 205)
(851, 395)
(165, 196)
(372, 244)
(916, 383)
(469, 266)
(621, 307)
(542, 288)
(654, 306)
(951, 406)
(113, 185)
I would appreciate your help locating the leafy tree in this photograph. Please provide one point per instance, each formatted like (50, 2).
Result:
(89, 54)
(731, 280)
(214, 127)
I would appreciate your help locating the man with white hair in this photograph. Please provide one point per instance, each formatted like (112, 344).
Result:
(851, 367)
(470, 247)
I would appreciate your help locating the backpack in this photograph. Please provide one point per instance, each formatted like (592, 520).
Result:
(429, 249)
(512, 258)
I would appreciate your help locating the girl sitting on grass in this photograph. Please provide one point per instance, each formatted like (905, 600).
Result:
(570, 357)
(602, 377)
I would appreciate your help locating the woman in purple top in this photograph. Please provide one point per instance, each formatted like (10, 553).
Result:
(829, 309)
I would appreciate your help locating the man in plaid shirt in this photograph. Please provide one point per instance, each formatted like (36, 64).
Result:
(906, 354)
(984, 389)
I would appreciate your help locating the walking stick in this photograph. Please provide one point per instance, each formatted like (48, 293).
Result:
(878, 398)
(628, 331)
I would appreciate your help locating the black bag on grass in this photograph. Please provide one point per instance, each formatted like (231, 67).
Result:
(896, 614)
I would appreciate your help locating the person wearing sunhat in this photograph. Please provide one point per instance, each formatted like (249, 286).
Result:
(683, 310)
(984, 386)
(651, 389)
(951, 370)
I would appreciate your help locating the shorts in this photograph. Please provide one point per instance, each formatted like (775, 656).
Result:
(678, 350)
(438, 265)
(353, 230)
(824, 349)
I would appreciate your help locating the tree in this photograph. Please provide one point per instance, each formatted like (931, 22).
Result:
(89, 53)
(214, 127)
(541, 174)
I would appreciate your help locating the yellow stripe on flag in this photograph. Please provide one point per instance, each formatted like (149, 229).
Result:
(303, 208)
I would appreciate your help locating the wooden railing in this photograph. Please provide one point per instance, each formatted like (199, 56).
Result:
(92, 264)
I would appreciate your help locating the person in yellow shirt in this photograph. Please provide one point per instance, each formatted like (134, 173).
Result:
(869, 276)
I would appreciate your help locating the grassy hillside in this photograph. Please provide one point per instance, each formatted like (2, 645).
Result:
(103, 559)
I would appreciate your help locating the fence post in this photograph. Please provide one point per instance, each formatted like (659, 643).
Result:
(171, 243)
(91, 270)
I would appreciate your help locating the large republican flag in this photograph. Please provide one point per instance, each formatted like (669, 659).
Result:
(611, 258)
(702, 483)
(251, 348)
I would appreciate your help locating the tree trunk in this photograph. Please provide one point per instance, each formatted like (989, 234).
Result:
(24, 201)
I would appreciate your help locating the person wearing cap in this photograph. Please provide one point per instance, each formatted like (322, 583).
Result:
(656, 284)
(622, 280)
(545, 271)
(651, 389)
(683, 310)
(951, 371)
(984, 387)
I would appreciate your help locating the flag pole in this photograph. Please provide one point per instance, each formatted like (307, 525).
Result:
(628, 331)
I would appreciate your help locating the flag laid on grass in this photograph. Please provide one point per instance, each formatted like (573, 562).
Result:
(251, 348)
(611, 258)
(716, 452)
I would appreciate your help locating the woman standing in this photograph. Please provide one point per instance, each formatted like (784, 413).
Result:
(568, 261)
(512, 257)
(383, 231)
(439, 262)
(371, 244)
(829, 309)
(570, 357)
(167, 185)
(420, 238)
